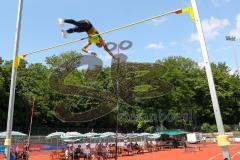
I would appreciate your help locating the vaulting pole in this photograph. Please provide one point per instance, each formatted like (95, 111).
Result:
(7, 142)
(211, 84)
(102, 33)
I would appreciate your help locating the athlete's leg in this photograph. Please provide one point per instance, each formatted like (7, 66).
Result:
(72, 30)
(81, 26)
(71, 21)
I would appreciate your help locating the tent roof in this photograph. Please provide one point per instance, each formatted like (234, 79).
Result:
(172, 132)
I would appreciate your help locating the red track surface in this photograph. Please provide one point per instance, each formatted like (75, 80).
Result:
(207, 152)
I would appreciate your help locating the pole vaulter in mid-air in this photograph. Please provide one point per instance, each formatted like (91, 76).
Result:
(85, 26)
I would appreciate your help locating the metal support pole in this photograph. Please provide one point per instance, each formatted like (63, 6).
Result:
(117, 123)
(31, 120)
(13, 83)
(211, 84)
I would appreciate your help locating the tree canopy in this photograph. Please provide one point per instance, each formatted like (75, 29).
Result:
(173, 94)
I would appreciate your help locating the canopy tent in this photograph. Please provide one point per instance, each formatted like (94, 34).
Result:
(172, 132)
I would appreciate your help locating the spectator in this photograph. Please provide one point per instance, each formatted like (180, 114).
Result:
(78, 152)
(12, 155)
(104, 152)
(87, 151)
(99, 149)
(66, 153)
(125, 143)
(71, 152)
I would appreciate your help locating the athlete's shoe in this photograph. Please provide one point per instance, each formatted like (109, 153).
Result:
(60, 22)
(64, 33)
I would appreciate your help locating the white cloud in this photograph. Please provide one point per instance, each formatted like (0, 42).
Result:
(218, 3)
(155, 46)
(211, 28)
(173, 43)
(236, 32)
(158, 21)
(234, 71)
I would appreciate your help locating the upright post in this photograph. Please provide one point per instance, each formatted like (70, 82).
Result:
(7, 142)
(211, 84)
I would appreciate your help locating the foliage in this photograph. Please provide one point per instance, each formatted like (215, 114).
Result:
(187, 106)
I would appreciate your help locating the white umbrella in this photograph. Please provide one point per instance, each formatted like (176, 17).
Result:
(91, 134)
(154, 136)
(55, 135)
(132, 135)
(107, 134)
(119, 136)
(145, 134)
(72, 135)
(14, 135)
(71, 140)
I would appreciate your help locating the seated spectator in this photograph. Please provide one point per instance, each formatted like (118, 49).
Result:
(87, 151)
(104, 152)
(12, 155)
(71, 152)
(135, 145)
(130, 146)
(25, 155)
(99, 149)
(125, 143)
(66, 153)
(146, 144)
(151, 143)
(78, 152)
(96, 147)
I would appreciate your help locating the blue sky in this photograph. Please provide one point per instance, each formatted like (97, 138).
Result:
(174, 35)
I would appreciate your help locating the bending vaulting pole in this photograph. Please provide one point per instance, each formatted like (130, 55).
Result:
(102, 33)
(13, 84)
(211, 84)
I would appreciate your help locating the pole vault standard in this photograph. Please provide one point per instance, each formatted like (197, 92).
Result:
(222, 138)
(7, 142)
(211, 84)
